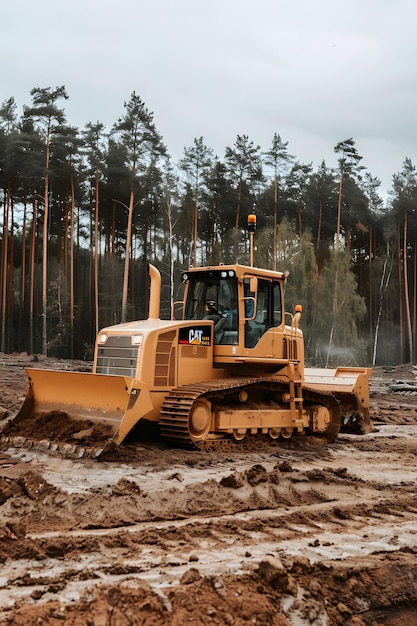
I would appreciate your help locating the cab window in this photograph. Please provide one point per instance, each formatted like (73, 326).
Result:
(268, 309)
(211, 297)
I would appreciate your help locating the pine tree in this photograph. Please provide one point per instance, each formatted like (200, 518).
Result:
(142, 144)
(45, 111)
(348, 161)
(196, 162)
(245, 167)
(279, 160)
(94, 148)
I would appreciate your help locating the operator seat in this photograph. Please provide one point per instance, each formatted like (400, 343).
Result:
(219, 321)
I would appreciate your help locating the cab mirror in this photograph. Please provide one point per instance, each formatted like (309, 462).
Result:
(253, 284)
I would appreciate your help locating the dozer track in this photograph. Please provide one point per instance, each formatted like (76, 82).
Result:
(67, 450)
(185, 417)
(179, 404)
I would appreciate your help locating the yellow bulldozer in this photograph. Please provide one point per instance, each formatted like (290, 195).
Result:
(231, 369)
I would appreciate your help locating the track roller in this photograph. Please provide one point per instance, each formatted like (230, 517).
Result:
(274, 433)
(239, 433)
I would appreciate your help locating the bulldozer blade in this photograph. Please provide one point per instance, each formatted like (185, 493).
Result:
(350, 386)
(77, 414)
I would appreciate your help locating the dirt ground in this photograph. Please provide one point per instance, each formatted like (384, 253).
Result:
(294, 534)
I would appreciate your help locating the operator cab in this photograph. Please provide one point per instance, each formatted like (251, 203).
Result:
(244, 303)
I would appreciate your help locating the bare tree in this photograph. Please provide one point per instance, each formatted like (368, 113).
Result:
(383, 286)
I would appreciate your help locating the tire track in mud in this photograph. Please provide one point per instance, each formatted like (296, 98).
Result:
(300, 535)
(67, 580)
(160, 553)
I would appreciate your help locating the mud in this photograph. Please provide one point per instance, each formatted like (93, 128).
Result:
(59, 426)
(298, 533)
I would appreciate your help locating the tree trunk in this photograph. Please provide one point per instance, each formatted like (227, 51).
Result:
(371, 304)
(334, 304)
(32, 278)
(71, 267)
(400, 274)
(10, 343)
(45, 249)
(4, 268)
(414, 293)
(21, 332)
(339, 210)
(127, 257)
(300, 225)
(319, 225)
(239, 195)
(195, 226)
(96, 256)
(171, 260)
(65, 238)
(275, 220)
(406, 294)
(383, 286)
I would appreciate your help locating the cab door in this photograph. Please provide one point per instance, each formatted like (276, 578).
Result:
(263, 317)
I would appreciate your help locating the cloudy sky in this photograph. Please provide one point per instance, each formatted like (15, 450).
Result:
(315, 71)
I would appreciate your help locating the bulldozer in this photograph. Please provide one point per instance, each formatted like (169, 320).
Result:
(230, 369)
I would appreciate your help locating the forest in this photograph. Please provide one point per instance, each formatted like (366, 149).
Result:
(84, 211)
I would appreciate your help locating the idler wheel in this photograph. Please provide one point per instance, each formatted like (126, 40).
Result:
(199, 421)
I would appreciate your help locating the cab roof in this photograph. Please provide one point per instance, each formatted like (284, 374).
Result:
(240, 271)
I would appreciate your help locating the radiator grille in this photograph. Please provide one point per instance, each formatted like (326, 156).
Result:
(117, 357)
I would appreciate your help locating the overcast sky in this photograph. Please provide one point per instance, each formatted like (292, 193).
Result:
(314, 71)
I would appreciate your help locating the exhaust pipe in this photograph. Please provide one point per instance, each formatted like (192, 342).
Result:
(155, 293)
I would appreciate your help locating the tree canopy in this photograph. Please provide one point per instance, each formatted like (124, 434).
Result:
(84, 211)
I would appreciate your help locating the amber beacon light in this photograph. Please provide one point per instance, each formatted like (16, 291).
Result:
(251, 223)
(251, 230)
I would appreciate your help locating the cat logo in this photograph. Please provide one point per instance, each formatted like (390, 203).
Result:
(195, 336)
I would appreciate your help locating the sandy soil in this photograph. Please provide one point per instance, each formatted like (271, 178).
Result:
(297, 533)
